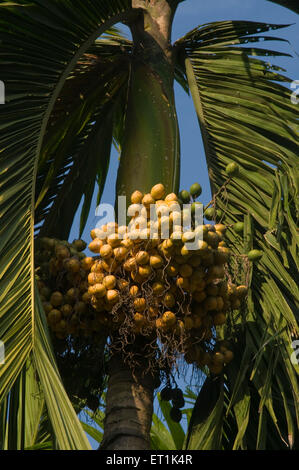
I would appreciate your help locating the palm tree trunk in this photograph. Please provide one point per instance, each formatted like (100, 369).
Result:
(150, 154)
(151, 144)
(129, 408)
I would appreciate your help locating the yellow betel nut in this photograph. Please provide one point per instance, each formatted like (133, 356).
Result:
(112, 296)
(145, 270)
(96, 245)
(127, 243)
(112, 227)
(106, 251)
(120, 253)
(142, 257)
(73, 265)
(148, 200)
(159, 324)
(86, 263)
(114, 240)
(210, 303)
(95, 278)
(218, 358)
(130, 264)
(109, 282)
(188, 323)
(66, 310)
(158, 191)
(158, 288)
(139, 304)
(228, 356)
(99, 290)
(136, 197)
(122, 284)
(134, 290)
(172, 269)
(98, 233)
(171, 197)
(169, 319)
(156, 261)
(153, 312)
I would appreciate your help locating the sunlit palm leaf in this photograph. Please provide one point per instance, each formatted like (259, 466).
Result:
(246, 116)
(175, 435)
(165, 433)
(26, 406)
(13, 415)
(207, 419)
(41, 42)
(93, 423)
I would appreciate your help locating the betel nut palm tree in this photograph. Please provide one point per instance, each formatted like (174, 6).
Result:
(73, 88)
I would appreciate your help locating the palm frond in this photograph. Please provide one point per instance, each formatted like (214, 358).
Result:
(41, 42)
(20, 413)
(246, 116)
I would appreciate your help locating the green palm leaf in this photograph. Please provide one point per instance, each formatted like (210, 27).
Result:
(41, 44)
(248, 118)
(175, 436)
(17, 408)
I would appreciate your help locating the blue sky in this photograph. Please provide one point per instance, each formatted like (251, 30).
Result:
(190, 14)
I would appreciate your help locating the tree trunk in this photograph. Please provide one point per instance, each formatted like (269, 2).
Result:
(151, 145)
(150, 155)
(129, 408)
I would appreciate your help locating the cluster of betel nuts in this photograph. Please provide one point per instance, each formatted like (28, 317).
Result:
(174, 288)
